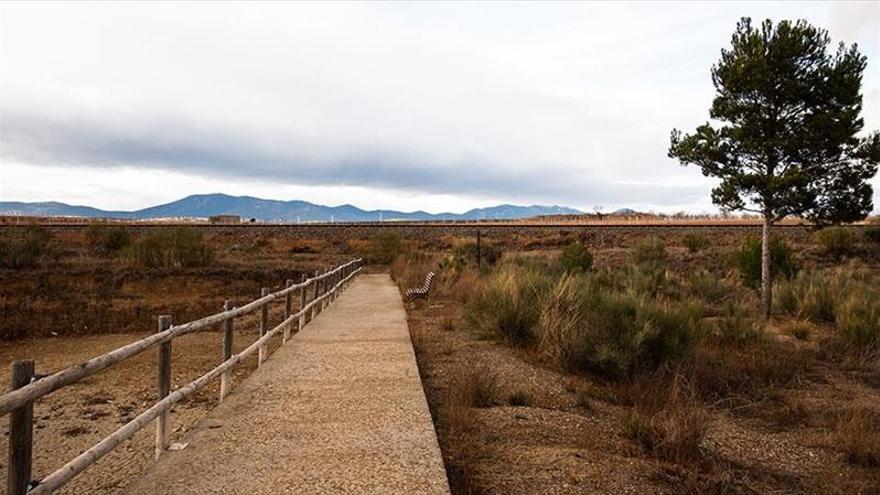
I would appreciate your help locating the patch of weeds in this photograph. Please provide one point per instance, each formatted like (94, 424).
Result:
(857, 434)
(649, 251)
(798, 329)
(667, 421)
(508, 304)
(33, 247)
(174, 247)
(107, 239)
(695, 242)
(838, 242)
(585, 326)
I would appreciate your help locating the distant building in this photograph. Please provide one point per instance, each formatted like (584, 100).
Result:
(226, 219)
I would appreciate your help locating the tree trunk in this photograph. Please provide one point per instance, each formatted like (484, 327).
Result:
(766, 276)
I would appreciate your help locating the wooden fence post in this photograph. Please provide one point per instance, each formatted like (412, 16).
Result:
(163, 388)
(228, 328)
(315, 307)
(302, 296)
(21, 433)
(264, 326)
(288, 305)
(325, 287)
(332, 285)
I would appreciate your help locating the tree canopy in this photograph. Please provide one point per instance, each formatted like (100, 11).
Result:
(787, 113)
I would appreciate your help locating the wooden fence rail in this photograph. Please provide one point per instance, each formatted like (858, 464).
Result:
(19, 401)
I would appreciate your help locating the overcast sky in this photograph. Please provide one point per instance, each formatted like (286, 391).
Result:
(441, 107)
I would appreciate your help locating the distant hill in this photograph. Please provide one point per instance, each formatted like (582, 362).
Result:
(55, 209)
(205, 205)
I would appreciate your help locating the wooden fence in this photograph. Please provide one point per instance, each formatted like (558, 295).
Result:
(27, 387)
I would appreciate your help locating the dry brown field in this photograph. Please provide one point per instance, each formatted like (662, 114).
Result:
(543, 430)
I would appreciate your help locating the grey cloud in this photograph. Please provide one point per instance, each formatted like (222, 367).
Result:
(566, 103)
(193, 148)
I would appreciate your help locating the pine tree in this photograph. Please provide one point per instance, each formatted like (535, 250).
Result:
(786, 140)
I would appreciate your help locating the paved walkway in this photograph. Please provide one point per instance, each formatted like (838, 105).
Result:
(338, 409)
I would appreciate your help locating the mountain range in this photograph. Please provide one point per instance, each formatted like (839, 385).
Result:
(269, 210)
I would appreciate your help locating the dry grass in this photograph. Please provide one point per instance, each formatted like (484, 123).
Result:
(468, 389)
(728, 374)
(857, 434)
(701, 420)
(410, 270)
(667, 420)
(588, 325)
(459, 286)
(508, 305)
(798, 329)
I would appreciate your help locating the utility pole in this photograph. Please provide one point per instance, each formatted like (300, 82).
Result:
(479, 254)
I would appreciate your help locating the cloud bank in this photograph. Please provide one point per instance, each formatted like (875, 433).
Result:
(559, 103)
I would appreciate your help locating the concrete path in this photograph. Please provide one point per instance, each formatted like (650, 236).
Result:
(338, 409)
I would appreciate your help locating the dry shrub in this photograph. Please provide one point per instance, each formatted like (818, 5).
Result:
(667, 420)
(448, 323)
(695, 241)
(838, 242)
(410, 269)
(585, 325)
(708, 287)
(576, 258)
(175, 247)
(509, 304)
(301, 246)
(107, 239)
(738, 328)
(461, 286)
(798, 329)
(735, 374)
(858, 435)
(473, 387)
(466, 252)
(809, 295)
(646, 280)
(467, 388)
(858, 323)
(33, 248)
(848, 295)
(649, 250)
(381, 248)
